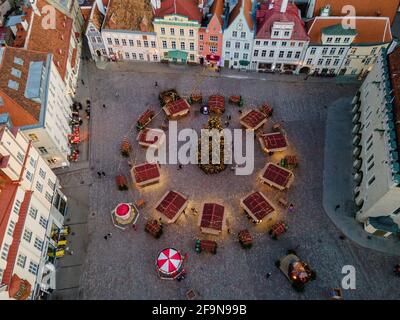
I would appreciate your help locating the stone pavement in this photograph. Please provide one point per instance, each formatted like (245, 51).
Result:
(338, 180)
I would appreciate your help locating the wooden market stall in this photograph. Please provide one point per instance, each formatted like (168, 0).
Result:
(171, 206)
(276, 176)
(273, 142)
(212, 219)
(145, 174)
(257, 206)
(253, 120)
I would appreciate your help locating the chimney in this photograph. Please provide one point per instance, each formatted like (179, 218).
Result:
(100, 6)
(284, 6)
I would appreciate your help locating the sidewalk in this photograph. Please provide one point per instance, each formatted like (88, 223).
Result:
(338, 181)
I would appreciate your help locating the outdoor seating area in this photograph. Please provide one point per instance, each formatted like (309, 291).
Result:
(253, 119)
(171, 206)
(276, 176)
(146, 174)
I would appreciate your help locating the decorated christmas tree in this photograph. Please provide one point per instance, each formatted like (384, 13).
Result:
(214, 122)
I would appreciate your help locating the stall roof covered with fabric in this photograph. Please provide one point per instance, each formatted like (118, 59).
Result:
(177, 108)
(146, 173)
(253, 119)
(257, 205)
(171, 205)
(275, 141)
(212, 217)
(151, 137)
(277, 176)
(216, 103)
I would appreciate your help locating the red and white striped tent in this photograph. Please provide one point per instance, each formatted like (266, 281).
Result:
(169, 263)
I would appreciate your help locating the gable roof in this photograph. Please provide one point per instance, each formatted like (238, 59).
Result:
(187, 8)
(369, 30)
(383, 8)
(266, 17)
(246, 6)
(217, 9)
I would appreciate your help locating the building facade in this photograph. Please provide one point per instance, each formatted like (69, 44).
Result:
(239, 35)
(281, 39)
(27, 192)
(375, 138)
(177, 24)
(32, 93)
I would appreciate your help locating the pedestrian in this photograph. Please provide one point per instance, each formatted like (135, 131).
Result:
(229, 117)
(116, 94)
(229, 231)
(179, 166)
(82, 82)
(103, 173)
(106, 237)
(240, 111)
(337, 207)
(134, 227)
(291, 207)
(109, 234)
(269, 274)
(156, 84)
(99, 174)
(71, 252)
(104, 106)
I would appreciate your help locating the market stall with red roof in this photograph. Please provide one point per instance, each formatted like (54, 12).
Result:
(216, 103)
(124, 215)
(253, 119)
(169, 264)
(273, 142)
(177, 109)
(257, 206)
(277, 176)
(171, 206)
(212, 219)
(151, 137)
(145, 174)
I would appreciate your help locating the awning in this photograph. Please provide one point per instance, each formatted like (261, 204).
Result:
(244, 62)
(177, 54)
(19, 289)
(212, 57)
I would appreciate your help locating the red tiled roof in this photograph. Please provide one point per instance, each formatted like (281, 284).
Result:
(258, 205)
(216, 103)
(217, 9)
(266, 17)
(277, 175)
(247, 8)
(171, 204)
(145, 172)
(275, 140)
(55, 41)
(369, 29)
(177, 106)
(253, 118)
(187, 8)
(212, 216)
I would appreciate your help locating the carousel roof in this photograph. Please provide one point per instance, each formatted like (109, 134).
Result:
(216, 102)
(277, 174)
(171, 204)
(178, 106)
(145, 172)
(169, 261)
(275, 140)
(212, 216)
(258, 205)
(253, 119)
(150, 136)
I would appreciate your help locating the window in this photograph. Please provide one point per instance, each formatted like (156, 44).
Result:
(172, 31)
(237, 45)
(271, 53)
(29, 175)
(297, 55)
(191, 46)
(341, 50)
(337, 40)
(371, 166)
(332, 51)
(228, 44)
(138, 43)
(182, 46)
(368, 61)
(329, 39)
(43, 222)
(373, 50)
(17, 206)
(328, 62)
(213, 49)
(162, 30)
(33, 268)
(99, 40)
(33, 212)
(33, 137)
(191, 57)
(164, 44)
(124, 42)
(201, 48)
(346, 40)
(313, 51)
(13, 84)
(134, 56)
(243, 35)
(289, 54)
(236, 55)
(201, 37)
(1, 102)
(109, 40)
(27, 236)
(292, 44)
(246, 46)
(281, 53)
(284, 43)
(16, 73)
(214, 38)
(38, 244)
(39, 186)
(309, 61)
(369, 146)
(4, 253)
(287, 33)
(153, 44)
(155, 57)
(21, 261)
(18, 61)
(182, 32)
(10, 230)
(104, 52)
(258, 43)
(42, 173)
(320, 61)
(324, 51)
(336, 62)
(20, 156)
(173, 45)
(191, 33)
(265, 43)
(146, 43)
(141, 57)
(368, 141)
(245, 56)
(256, 53)
(234, 34)
(276, 33)
(273, 43)
(371, 180)
(116, 42)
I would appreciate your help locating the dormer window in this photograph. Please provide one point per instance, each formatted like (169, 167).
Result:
(346, 40)
(337, 40)
(287, 34)
(276, 33)
(329, 39)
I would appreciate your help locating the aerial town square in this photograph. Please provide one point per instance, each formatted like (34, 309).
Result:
(199, 150)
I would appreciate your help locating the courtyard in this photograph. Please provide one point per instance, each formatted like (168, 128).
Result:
(123, 267)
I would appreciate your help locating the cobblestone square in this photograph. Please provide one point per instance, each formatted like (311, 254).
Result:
(123, 267)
